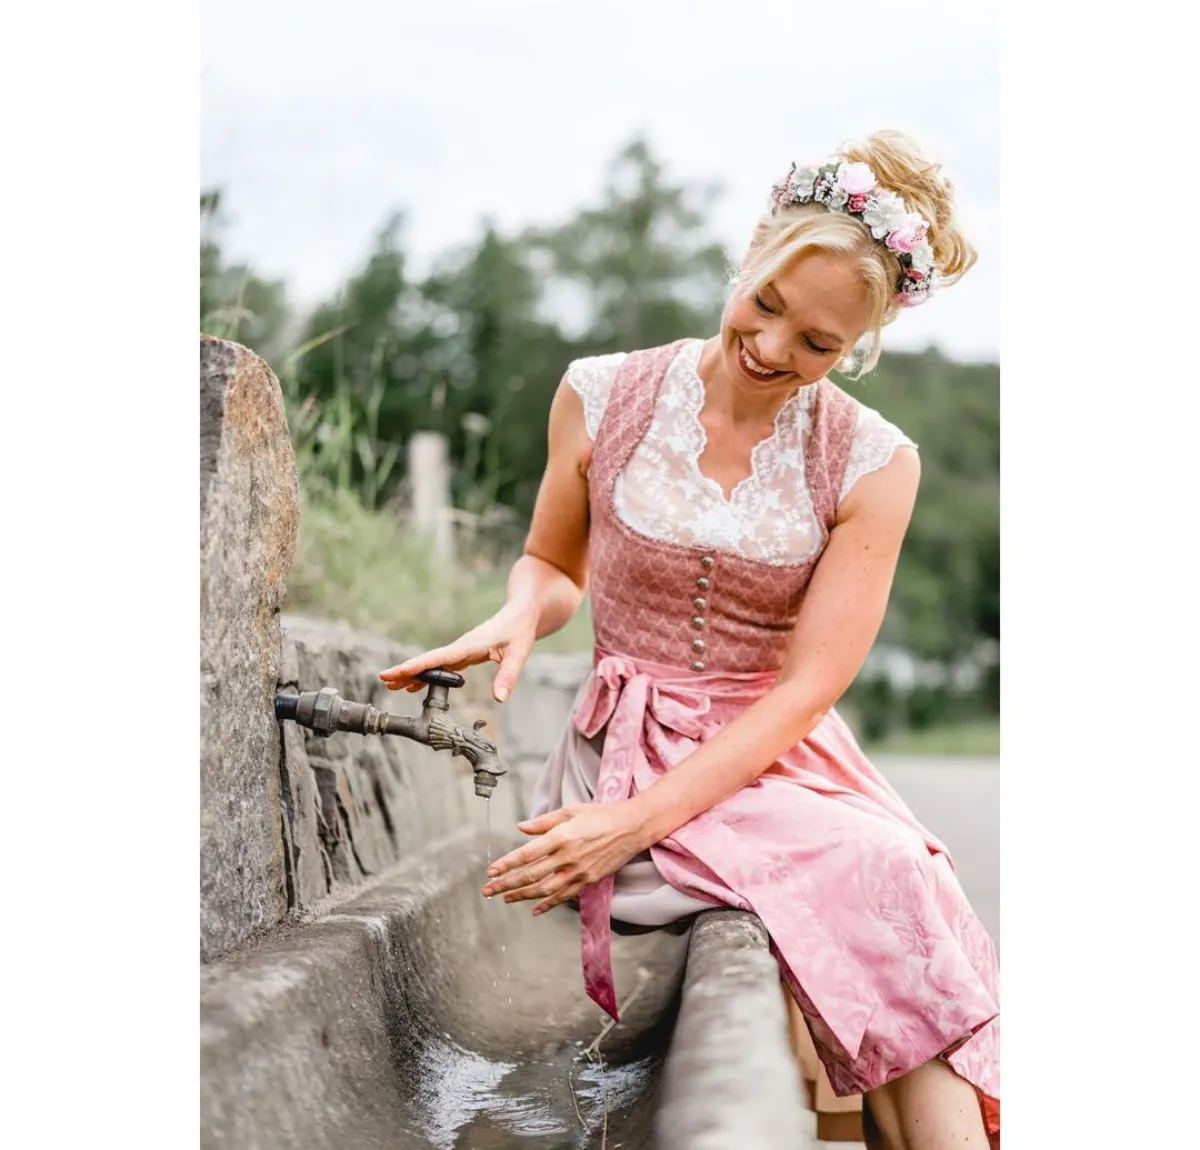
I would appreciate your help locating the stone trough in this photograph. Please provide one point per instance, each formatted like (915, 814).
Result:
(417, 1015)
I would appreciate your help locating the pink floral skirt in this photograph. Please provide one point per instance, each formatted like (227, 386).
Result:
(874, 936)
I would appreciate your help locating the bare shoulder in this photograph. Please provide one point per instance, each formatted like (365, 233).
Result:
(569, 439)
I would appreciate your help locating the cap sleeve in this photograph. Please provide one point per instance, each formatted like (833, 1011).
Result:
(874, 443)
(592, 380)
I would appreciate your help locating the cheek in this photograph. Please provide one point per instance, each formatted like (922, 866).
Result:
(739, 313)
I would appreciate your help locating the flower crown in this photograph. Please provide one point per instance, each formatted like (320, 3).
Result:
(853, 189)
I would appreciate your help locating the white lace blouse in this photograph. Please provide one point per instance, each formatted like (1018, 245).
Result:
(769, 516)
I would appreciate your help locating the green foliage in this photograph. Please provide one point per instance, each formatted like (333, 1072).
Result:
(234, 303)
(476, 349)
(979, 736)
(647, 272)
(945, 602)
(363, 567)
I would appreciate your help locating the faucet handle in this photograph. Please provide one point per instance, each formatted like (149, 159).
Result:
(440, 677)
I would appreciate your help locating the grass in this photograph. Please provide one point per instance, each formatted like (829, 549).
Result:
(363, 568)
(977, 737)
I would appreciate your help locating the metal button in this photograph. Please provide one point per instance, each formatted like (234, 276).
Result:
(707, 562)
(700, 604)
(703, 583)
(698, 622)
(697, 644)
(697, 666)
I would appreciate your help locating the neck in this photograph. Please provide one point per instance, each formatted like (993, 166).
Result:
(743, 404)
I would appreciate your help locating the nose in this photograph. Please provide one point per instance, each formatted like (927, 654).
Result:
(773, 348)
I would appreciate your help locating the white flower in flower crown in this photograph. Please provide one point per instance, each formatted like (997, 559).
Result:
(821, 190)
(838, 198)
(800, 183)
(883, 213)
(922, 256)
(854, 179)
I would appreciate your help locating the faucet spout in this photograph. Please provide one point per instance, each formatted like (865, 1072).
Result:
(325, 711)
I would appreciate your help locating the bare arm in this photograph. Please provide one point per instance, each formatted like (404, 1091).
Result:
(547, 584)
(839, 620)
(552, 574)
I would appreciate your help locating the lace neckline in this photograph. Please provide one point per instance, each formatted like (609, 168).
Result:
(782, 447)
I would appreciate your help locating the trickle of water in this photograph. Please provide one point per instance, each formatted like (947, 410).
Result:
(488, 818)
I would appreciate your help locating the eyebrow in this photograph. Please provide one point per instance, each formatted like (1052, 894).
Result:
(829, 335)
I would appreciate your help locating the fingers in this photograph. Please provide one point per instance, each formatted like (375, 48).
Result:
(527, 855)
(510, 667)
(455, 657)
(523, 878)
(544, 823)
(554, 890)
(558, 897)
(552, 882)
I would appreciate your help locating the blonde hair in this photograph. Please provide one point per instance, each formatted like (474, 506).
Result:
(784, 234)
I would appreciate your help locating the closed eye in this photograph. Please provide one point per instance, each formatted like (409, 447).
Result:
(767, 309)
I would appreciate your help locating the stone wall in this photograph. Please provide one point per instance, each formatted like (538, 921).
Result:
(289, 821)
(356, 805)
(248, 524)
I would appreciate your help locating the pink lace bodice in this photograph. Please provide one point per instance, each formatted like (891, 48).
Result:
(661, 491)
(702, 606)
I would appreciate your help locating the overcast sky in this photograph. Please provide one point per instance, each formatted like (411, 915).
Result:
(318, 119)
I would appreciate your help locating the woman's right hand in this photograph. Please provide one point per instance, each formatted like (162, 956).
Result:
(506, 638)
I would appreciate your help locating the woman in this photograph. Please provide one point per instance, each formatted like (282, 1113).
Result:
(738, 520)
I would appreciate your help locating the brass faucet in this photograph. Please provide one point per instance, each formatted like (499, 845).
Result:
(325, 711)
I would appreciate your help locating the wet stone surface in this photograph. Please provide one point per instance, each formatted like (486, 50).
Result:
(421, 1015)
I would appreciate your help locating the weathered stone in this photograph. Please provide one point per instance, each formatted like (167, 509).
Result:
(312, 869)
(419, 1015)
(248, 502)
(369, 1027)
(361, 804)
(731, 1079)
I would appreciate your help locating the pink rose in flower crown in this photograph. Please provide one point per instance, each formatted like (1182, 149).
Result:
(858, 202)
(906, 237)
(909, 234)
(915, 274)
(855, 179)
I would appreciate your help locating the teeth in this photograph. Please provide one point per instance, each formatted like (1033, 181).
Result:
(753, 364)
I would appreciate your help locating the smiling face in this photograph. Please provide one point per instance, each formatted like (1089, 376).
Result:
(798, 326)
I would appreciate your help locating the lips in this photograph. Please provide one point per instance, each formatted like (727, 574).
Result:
(750, 366)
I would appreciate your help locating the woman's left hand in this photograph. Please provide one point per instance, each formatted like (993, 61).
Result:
(574, 847)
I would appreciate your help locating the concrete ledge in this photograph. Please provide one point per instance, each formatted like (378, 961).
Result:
(730, 1079)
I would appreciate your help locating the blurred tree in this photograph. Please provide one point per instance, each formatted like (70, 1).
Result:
(648, 274)
(945, 603)
(234, 302)
(361, 373)
(500, 362)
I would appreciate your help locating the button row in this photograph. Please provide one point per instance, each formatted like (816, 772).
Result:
(700, 605)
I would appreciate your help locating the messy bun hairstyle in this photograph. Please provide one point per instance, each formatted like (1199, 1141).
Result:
(785, 233)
